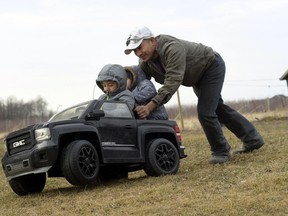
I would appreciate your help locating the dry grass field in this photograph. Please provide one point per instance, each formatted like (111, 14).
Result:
(250, 184)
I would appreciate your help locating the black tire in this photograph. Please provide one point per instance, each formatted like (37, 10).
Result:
(28, 184)
(80, 163)
(162, 158)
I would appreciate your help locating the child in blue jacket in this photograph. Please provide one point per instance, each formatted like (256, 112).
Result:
(143, 91)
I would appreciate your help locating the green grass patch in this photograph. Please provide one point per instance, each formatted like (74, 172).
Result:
(249, 184)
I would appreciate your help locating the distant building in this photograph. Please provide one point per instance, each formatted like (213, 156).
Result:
(285, 77)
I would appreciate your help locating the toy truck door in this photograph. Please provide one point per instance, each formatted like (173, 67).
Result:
(118, 133)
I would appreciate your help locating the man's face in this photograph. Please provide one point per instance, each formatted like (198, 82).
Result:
(146, 49)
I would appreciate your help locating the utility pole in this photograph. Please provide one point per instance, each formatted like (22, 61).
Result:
(268, 104)
(94, 91)
(180, 109)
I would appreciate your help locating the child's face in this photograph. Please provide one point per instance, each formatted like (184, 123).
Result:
(109, 86)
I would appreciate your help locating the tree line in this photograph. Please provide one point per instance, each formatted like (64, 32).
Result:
(278, 102)
(16, 114)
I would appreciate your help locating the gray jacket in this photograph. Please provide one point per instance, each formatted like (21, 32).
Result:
(180, 62)
(114, 72)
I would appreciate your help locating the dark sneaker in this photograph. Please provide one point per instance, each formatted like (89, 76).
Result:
(248, 149)
(219, 159)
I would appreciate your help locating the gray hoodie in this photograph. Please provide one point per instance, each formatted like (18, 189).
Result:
(114, 72)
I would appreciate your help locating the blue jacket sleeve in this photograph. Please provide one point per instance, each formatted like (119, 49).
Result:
(144, 92)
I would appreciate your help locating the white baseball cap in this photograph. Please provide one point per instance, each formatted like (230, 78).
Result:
(136, 37)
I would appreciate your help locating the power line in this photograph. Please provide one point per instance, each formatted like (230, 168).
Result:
(269, 86)
(250, 83)
(253, 80)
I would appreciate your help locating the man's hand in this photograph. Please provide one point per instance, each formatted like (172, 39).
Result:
(145, 110)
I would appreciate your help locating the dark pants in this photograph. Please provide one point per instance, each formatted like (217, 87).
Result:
(212, 112)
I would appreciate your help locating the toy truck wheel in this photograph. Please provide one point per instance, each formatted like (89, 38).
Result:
(80, 163)
(28, 184)
(162, 158)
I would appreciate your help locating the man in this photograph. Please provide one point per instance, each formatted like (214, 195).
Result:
(173, 62)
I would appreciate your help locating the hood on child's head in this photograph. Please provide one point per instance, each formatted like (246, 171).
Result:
(137, 74)
(113, 72)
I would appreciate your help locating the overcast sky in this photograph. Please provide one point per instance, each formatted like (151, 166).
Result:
(55, 48)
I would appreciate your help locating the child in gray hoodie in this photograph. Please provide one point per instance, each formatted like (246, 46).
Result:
(112, 80)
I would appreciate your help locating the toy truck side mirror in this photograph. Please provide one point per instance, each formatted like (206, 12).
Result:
(95, 115)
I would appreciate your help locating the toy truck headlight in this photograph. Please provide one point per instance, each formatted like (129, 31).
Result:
(42, 134)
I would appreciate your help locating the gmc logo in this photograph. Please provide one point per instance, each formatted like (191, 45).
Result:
(18, 143)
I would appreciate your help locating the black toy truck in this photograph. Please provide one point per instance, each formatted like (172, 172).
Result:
(90, 142)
